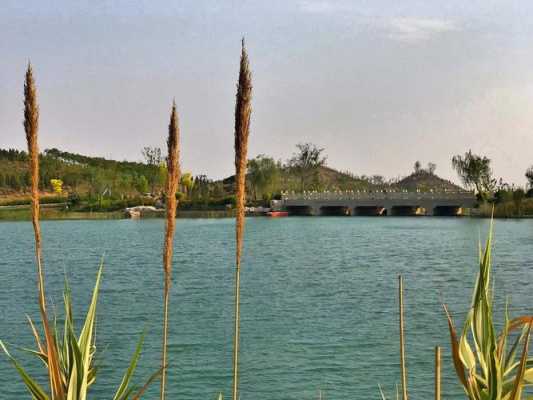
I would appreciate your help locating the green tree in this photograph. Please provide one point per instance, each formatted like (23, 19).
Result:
(201, 189)
(187, 181)
(518, 197)
(431, 168)
(141, 184)
(154, 159)
(306, 162)
(263, 173)
(475, 172)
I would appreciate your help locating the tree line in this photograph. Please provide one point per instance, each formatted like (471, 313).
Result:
(99, 180)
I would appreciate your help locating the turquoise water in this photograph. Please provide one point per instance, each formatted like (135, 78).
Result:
(319, 307)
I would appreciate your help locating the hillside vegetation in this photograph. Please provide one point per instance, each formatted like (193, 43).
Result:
(99, 182)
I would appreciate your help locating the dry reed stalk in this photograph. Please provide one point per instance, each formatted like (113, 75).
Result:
(31, 127)
(173, 177)
(402, 341)
(243, 110)
(437, 372)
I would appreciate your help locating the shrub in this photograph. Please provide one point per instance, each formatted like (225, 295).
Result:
(487, 367)
(76, 368)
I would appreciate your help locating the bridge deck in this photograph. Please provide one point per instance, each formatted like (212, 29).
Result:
(378, 203)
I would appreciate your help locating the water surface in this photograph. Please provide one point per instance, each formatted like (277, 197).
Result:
(319, 305)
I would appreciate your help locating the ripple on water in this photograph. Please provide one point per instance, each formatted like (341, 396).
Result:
(319, 308)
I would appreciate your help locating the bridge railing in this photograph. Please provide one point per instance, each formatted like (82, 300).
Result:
(377, 195)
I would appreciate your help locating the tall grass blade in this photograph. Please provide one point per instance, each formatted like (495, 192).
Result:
(150, 380)
(122, 390)
(517, 389)
(437, 373)
(34, 388)
(402, 340)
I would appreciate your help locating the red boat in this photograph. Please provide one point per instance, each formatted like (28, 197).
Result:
(277, 214)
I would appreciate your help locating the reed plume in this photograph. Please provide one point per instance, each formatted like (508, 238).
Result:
(173, 177)
(31, 127)
(243, 110)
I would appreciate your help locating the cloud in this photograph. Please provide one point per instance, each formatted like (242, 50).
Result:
(403, 29)
(321, 6)
(413, 29)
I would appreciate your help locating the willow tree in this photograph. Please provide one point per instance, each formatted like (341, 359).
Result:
(306, 162)
(263, 174)
(475, 172)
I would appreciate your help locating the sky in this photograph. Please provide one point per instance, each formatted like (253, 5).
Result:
(378, 84)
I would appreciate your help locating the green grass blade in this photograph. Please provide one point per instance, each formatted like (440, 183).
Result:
(517, 390)
(121, 391)
(150, 380)
(34, 388)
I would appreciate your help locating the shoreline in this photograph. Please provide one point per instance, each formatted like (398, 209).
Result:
(49, 214)
(24, 214)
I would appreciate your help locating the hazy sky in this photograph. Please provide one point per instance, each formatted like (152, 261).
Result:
(377, 83)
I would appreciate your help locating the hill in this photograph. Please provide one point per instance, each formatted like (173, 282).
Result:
(424, 181)
(79, 173)
(96, 180)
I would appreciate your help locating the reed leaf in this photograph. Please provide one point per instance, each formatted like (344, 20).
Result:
(33, 387)
(76, 367)
(485, 368)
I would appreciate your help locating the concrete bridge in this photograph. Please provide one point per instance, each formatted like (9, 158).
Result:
(378, 203)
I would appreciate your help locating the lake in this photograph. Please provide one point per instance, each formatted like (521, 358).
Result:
(319, 299)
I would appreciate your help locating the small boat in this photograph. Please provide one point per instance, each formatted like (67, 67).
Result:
(277, 214)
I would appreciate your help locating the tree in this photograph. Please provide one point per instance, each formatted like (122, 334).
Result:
(154, 159)
(378, 180)
(518, 197)
(187, 181)
(475, 172)
(431, 168)
(529, 176)
(141, 184)
(201, 190)
(306, 162)
(57, 185)
(417, 167)
(152, 155)
(263, 173)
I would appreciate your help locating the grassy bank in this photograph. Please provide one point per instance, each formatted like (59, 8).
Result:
(24, 214)
(54, 214)
(507, 209)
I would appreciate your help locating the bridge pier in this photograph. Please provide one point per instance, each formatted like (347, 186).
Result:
(315, 211)
(429, 209)
(448, 211)
(335, 210)
(368, 211)
(405, 211)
